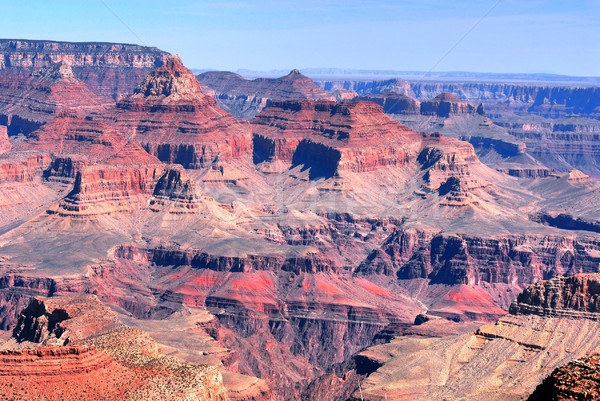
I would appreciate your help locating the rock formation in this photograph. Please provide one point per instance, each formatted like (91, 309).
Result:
(4, 141)
(176, 191)
(576, 296)
(174, 121)
(499, 98)
(394, 103)
(447, 104)
(328, 137)
(114, 186)
(108, 69)
(245, 98)
(27, 102)
(80, 351)
(500, 361)
(278, 249)
(577, 380)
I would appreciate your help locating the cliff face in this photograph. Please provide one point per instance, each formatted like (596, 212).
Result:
(245, 98)
(576, 296)
(562, 144)
(394, 103)
(499, 98)
(328, 138)
(112, 187)
(262, 302)
(108, 69)
(472, 260)
(176, 122)
(447, 104)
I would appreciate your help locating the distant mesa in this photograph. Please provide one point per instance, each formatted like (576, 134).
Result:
(447, 104)
(244, 98)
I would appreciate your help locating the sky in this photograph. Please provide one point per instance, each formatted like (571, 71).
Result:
(501, 36)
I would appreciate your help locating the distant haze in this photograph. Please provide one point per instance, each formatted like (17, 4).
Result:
(500, 36)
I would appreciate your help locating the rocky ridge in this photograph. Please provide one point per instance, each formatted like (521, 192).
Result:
(245, 98)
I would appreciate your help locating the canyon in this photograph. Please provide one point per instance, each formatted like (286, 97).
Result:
(212, 237)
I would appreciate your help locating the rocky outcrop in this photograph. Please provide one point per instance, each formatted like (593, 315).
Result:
(38, 325)
(177, 193)
(576, 296)
(63, 339)
(245, 98)
(447, 164)
(108, 69)
(176, 122)
(394, 103)
(22, 167)
(328, 138)
(464, 259)
(395, 85)
(562, 144)
(446, 105)
(577, 380)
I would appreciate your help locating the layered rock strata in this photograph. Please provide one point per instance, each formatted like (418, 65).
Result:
(245, 98)
(329, 138)
(108, 69)
(176, 122)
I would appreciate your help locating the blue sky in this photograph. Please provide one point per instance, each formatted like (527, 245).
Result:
(549, 36)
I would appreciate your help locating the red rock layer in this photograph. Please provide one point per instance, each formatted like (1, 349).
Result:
(27, 102)
(174, 121)
(329, 137)
(102, 360)
(114, 185)
(108, 69)
(23, 166)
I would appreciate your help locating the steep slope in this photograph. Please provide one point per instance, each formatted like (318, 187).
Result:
(245, 98)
